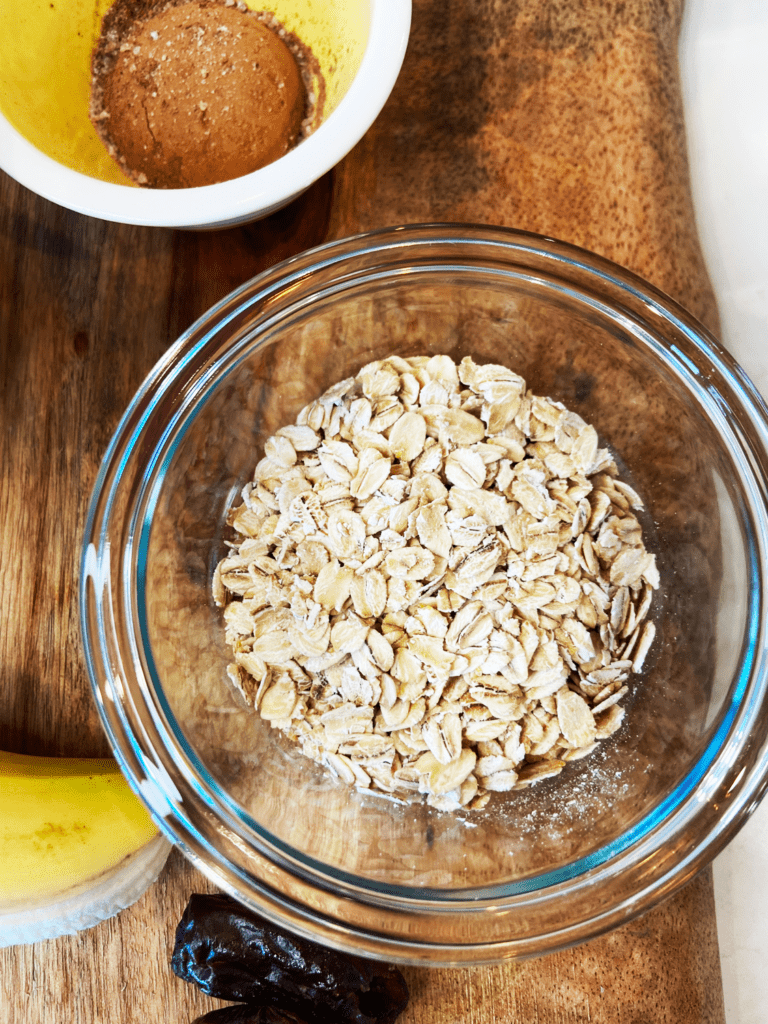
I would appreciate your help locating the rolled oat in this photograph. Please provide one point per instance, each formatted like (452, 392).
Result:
(438, 583)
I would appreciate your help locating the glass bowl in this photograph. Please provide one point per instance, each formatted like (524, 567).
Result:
(536, 870)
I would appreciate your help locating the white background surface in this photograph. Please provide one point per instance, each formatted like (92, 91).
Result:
(724, 64)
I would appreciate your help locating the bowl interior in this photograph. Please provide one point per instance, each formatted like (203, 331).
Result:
(45, 68)
(670, 437)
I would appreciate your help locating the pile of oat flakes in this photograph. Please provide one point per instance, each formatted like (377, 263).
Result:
(438, 585)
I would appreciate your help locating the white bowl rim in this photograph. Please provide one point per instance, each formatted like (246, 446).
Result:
(240, 199)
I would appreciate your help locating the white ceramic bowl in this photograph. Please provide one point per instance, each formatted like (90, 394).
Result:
(61, 92)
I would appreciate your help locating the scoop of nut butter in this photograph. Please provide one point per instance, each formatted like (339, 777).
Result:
(195, 92)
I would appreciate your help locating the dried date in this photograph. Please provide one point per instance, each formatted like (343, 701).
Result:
(242, 1013)
(232, 953)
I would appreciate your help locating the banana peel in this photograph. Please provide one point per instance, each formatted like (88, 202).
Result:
(76, 845)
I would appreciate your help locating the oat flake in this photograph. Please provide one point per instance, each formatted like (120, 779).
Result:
(438, 584)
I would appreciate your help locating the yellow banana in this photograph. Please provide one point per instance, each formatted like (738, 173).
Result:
(76, 845)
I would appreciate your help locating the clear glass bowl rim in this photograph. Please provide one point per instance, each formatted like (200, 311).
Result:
(171, 784)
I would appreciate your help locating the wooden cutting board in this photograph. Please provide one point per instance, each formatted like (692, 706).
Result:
(558, 117)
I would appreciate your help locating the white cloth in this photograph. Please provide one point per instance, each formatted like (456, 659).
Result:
(725, 88)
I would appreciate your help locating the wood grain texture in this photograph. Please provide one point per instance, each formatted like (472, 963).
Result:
(555, 117)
